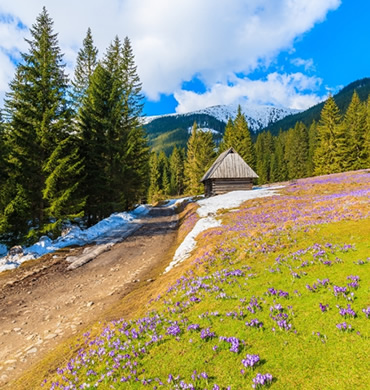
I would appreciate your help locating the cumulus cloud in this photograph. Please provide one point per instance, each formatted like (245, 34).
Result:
(175, 39)
(287, 90)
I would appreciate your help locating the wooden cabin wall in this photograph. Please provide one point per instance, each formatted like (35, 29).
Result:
(221, 186)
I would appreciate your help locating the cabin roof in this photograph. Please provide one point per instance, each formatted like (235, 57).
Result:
(229, 165)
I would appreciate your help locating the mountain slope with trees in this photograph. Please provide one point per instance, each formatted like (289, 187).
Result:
(342, 99)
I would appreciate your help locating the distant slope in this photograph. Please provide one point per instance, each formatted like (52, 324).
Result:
(167, 131)
(342, 99)
(164, 132)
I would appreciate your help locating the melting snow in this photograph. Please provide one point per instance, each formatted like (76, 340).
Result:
(207, 210)
(118, 223)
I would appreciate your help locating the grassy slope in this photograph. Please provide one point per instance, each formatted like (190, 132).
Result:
(317, 229)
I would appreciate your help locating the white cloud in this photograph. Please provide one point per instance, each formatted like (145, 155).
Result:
(288, 90)
(175, 39)
(307, 64)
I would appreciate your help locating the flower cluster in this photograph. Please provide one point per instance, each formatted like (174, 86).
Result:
(233, 341)
(366, 311)
(280, 293)
(280, 317)
(347, 312)
(354, 281)
(339, 290)
(344, 326)
(173, 330)
(250, 360)
(261, 380)
(254, 323)
(206, 334)
(193, 327)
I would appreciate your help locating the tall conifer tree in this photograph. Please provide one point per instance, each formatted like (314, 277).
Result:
(154, 186)
(264, 150)
(367, 133)
(200, 156)
(93, 122)
(136, 150)
(39, 119)
(85, 66)
(228, 140)
(243, 139)
(354, 123)
(312, 143)
(176, 172)
(330, 155)
(296, 151)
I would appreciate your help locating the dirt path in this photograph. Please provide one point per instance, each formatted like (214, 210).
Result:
(42, 303)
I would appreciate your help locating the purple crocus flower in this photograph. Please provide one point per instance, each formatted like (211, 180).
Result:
(250, 360)
(261, 380)
(206, 334)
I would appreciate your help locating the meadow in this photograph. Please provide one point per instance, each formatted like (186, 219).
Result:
(277, 297)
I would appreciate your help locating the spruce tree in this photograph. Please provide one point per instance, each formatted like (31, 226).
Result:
(264, 150)
(281, 166)
(39, 119)
(136, 148)
(312, 143)
(367, 133)
(331, 154)
(154, 188)
(354, 123)
(176, 172)
(164, 179)
(296, 151)
(243, 140)
(200, 156)
(85, 66)
(62, 190)
(93, 123)
(136, 161)
(228, 140)
(3, 163)
(113, 142)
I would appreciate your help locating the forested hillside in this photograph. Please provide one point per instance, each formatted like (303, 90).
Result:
(173, 130)
(342, 99)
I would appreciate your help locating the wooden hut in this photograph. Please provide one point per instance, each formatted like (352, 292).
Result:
(228, 173)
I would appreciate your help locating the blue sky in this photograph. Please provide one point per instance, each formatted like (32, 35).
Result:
(196, 53)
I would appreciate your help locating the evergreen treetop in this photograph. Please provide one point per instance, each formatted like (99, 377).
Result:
(85, 66)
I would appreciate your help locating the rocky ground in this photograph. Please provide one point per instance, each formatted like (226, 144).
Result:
(46, 300)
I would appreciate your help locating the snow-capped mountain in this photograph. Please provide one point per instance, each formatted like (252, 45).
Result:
(257, 116)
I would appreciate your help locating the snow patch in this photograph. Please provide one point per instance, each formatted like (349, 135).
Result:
(205, 130)
(173, 203)
(118, 223)
(184, 250)
(207, 210)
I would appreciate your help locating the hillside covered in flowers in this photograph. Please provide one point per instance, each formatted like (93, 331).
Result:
(276, 296)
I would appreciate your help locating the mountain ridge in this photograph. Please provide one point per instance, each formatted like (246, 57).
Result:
(166, 131)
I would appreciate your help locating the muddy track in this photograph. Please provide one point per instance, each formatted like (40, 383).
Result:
(42, 303)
